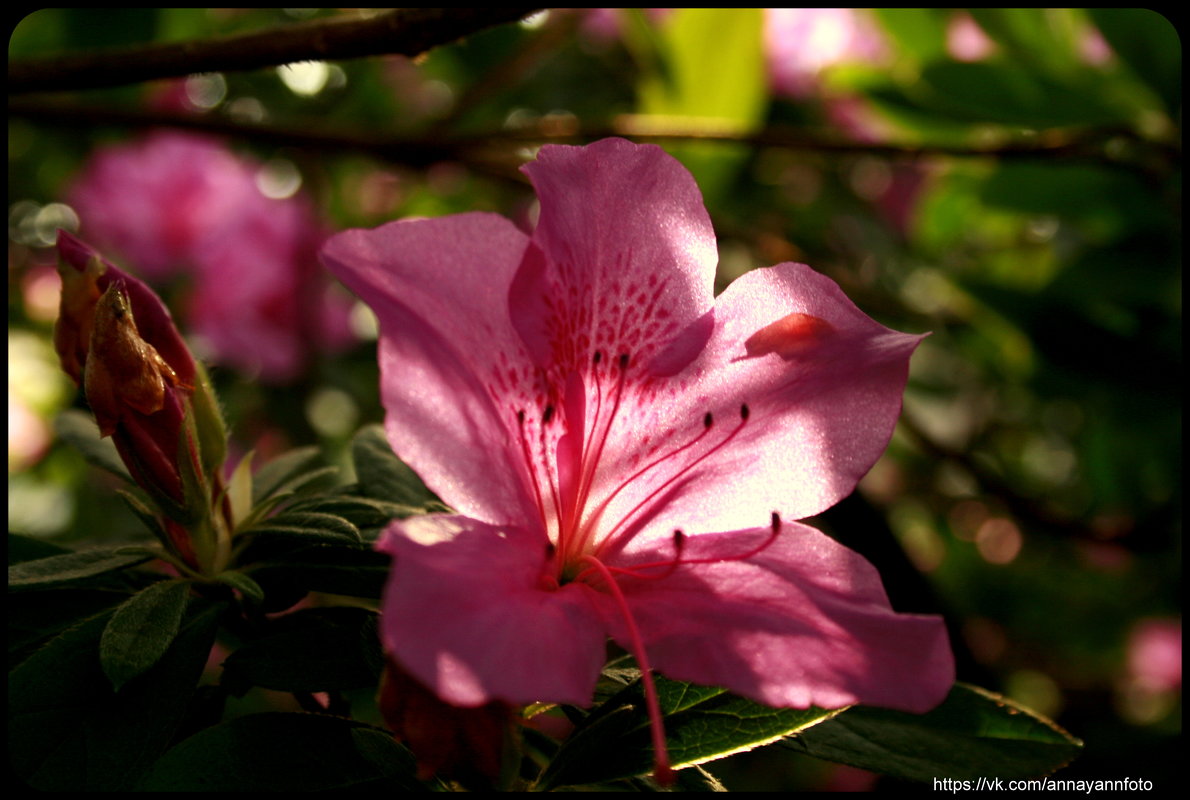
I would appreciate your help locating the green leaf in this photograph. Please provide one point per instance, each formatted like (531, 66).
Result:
(921, 32)
(239, 490)
(141, 630)
(335, 569)
(77, 428)
(1012, 94)
(382, 475)
(1148, 43)
(726, 93)
(307, 525)
(701, 725)
(311, 650)
(68, 731)
(284, 752)
(210, 428)
(363, 512)
(274, 474)
(30, 548)
(973, 733)
(145, 514)
(242, 583)
(36, 617)
(1040, 38)
(71, 567)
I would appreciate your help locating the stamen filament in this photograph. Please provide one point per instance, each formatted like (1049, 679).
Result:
(587, 479)
(525, 452)
(609, 543)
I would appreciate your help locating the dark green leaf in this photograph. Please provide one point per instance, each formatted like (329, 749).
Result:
(70, 567)
(363, 512)
(30, 548)
(279, 752)
(144, 513)
(68, 731)
(352, 571)
(306, 525)
(1011, 94)
(312, 650)
(381, 474)
(1041, 38)
(77, 428)
(210, 427)
(921, 32)
(701, 724)
(274, 474)
(973, 733)
(35, 617)
(1073, 190)
(1148, 43)
(245, 585)
(141, 630)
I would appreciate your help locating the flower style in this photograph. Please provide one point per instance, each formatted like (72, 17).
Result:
(626, 453)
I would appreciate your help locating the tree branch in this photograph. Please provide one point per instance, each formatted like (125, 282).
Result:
(402, 31)
(417, 151)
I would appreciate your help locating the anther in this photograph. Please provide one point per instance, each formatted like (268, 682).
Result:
(598, 357)
(623, 361)
(707, 420)
(776, 522)
(547, 415)
(744, 412)
(520, 417)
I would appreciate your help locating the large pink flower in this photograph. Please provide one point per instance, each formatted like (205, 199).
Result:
(625, 451)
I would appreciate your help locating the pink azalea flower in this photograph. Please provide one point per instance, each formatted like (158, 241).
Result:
(626, 452)
(801, 43)
(175, 203)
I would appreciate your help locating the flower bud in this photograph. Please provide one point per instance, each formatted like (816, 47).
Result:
(446, 740)
(116, 338)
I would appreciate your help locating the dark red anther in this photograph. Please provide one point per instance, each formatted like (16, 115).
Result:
(547, 415)
(707, 420)
(744, 412)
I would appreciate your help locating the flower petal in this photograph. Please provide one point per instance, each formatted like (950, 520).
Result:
(805, 390)
(803, 622)
(465, 613)
(449, 358)
(625, 255)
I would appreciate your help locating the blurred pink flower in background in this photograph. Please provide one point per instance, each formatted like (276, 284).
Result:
(803, 42)
(1155, 654)
(966, 41)
(174, 204)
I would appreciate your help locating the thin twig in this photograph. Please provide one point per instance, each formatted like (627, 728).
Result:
(402, 31)
(419, 151)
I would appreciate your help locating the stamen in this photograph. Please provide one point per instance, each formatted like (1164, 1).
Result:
(662, 772)
(609, 543)
(679, 539)
(527, 455)
(670, 566)
(548, 580)
(592, 457)
(550, 472)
